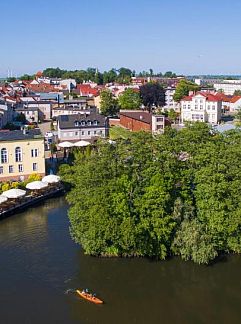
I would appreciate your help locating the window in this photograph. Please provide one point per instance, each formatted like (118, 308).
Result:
(213, 108)
(76, 133)
(35, 166)
(82, 133)
(20, 168)
(18, 154)
(1, 169)
(89, 122)
(95, 122)
(201, 106)
(159, 119)
(88, 132)
(196, 106)
(83, 123)
(184, 106)
(4, 155)
(76, 123)
(10, 168)
(94, 132)
(34, 152)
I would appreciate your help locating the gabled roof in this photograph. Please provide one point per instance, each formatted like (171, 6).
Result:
(68, 121)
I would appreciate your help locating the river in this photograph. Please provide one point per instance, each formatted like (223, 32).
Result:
(40, 263)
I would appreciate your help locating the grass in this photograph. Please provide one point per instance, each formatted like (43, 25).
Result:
(119, 132)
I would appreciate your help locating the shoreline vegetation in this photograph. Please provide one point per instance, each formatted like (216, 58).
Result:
(176, 194)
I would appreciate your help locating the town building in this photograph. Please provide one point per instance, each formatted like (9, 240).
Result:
(228, 86)
(170, 103)
(138, 120)
(82, 127)
(31, 113)
(6, 114)
(21, 154)
(203, 107)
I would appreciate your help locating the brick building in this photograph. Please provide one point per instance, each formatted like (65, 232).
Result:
(137, 120)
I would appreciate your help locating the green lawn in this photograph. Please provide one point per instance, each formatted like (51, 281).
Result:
(119, 132)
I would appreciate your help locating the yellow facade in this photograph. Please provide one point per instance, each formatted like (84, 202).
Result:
(24, 157)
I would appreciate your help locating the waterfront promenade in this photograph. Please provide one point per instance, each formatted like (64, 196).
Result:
(16, 205)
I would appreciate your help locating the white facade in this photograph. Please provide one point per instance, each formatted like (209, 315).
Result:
(157, 124)
(228, 86)
(235, 105)
(201, 107)
(169, 102)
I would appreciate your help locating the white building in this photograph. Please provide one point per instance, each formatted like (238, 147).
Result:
(228, 86)
(169, 101)
(203, 107)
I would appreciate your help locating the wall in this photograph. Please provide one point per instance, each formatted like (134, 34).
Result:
(133, 124)
(27, 160)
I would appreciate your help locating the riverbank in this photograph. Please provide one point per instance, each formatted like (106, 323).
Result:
(17, 205)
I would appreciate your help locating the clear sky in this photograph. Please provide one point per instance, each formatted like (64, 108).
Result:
(185, 36)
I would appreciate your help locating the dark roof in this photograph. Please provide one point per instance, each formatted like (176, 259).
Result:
(18, 135)
(68, 121)
(142, 116)
(27, 109)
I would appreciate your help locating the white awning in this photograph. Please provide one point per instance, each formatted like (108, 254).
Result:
(66, 144)
(14, 193)
(36, 185)
(81, 143)
(51, 178)
(3, 199)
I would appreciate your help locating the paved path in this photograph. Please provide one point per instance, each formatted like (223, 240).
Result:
(44, 127)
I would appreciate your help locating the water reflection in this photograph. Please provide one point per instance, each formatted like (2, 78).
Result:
(40, 263)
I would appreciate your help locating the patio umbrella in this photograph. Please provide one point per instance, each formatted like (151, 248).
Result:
(3, 199)
(14, 193)
(36, 185)
(66, 144)
(51, 178)
(81, 143)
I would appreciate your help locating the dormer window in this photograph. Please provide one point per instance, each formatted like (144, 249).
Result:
(76, 123)
(95, 122)
(89, 123)
(83, 123)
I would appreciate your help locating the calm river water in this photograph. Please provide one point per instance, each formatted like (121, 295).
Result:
(40, 263)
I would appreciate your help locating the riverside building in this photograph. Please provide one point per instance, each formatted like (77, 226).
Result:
(21, 154)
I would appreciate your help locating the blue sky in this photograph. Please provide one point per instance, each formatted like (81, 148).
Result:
(190, 37)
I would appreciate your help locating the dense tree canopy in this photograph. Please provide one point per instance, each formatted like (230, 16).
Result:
(121, 75)
(183, 89)
(129, 99)
(174, 194)
(152, 94)
(108, 104)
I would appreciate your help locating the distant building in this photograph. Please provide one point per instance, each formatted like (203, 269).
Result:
(228, 86)
(31, 113)
(169, 101)
(6, 114)
(21, 154)
(82, 126)
(203, 107)
(137, 120)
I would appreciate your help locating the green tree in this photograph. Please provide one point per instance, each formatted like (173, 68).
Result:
(183, 89)
(129, 99)
(108, 104)
(237, 93)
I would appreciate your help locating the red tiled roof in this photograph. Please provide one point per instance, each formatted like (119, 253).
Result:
(86, 89)
(235, 99)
